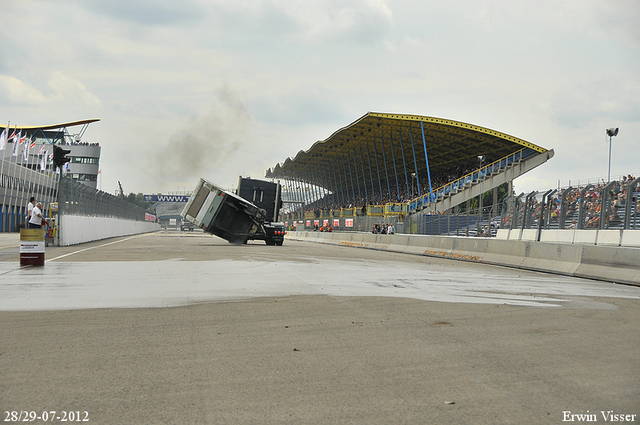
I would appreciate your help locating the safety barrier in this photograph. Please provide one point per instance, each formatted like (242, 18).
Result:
(75, 229)
(87, 214)
(618, 264)
(348, 212)
(395, 209)
(375, 211)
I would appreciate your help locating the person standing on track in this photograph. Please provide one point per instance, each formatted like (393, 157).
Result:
(30, 205)
(36, 220)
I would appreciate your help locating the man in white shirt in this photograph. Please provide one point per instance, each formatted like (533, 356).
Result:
(36, 217)
(30, 205)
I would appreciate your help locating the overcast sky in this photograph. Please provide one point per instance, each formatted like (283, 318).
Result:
(218, 88)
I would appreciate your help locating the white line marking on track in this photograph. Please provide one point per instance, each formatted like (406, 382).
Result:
(97, 246)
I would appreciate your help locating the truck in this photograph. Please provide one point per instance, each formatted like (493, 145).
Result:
(232, 217)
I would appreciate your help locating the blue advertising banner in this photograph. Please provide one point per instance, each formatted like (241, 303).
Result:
(166, 198)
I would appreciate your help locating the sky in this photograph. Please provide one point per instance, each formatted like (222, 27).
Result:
(221, 88)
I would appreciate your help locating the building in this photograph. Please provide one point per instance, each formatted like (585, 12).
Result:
(84, 163)
(26, 167)
(84, 157)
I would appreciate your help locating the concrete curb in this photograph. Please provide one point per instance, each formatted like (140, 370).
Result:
(602, 262)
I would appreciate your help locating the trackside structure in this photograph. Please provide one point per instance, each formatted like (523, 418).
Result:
(397, 165)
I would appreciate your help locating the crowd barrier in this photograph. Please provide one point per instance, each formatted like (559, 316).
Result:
(77, 229)
(618, 264)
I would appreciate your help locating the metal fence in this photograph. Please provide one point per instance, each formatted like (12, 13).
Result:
(614, 205)
(80, 200)
(467, 223)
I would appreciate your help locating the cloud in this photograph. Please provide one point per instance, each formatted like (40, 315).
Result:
(61, 88)
(68, 89)
(301, 104)
(585, 103)
(364, 22)
(17, 92)
(147, 12)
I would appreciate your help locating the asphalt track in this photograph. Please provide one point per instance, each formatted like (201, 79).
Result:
(185, 328)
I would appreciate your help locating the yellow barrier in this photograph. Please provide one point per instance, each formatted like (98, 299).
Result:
(375, 211)
(347, 212)
(395, 209)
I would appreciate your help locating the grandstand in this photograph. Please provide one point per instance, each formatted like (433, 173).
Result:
(397, 165)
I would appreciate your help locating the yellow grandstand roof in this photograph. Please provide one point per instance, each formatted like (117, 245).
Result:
(384, 138)
(51, 126)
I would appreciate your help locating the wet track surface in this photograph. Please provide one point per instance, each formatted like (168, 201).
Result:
(173, 268)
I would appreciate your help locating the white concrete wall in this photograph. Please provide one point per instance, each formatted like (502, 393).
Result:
(630, 238)
(75, 229)
(603, 262)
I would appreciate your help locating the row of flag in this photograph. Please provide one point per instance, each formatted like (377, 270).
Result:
(18, 139)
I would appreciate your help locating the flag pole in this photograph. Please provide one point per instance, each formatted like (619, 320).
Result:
(20, 197)
(4, 197)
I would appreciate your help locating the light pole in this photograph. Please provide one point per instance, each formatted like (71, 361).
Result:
(481, 159)
(610, 132)
(413, 183)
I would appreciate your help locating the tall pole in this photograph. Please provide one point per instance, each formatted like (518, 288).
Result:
(4, 197)
(610, 132)
(609, 172)
(415, 163)
(480, 158)
(426, 158)
(404, 164)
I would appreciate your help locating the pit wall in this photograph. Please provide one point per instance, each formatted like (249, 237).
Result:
(603, 262)
(75, 229)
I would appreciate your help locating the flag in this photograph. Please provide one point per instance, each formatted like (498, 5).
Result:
(12, 135)
(43, 161)
(27, 148)
(16, 143)
(3, 139)
(43, 150)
